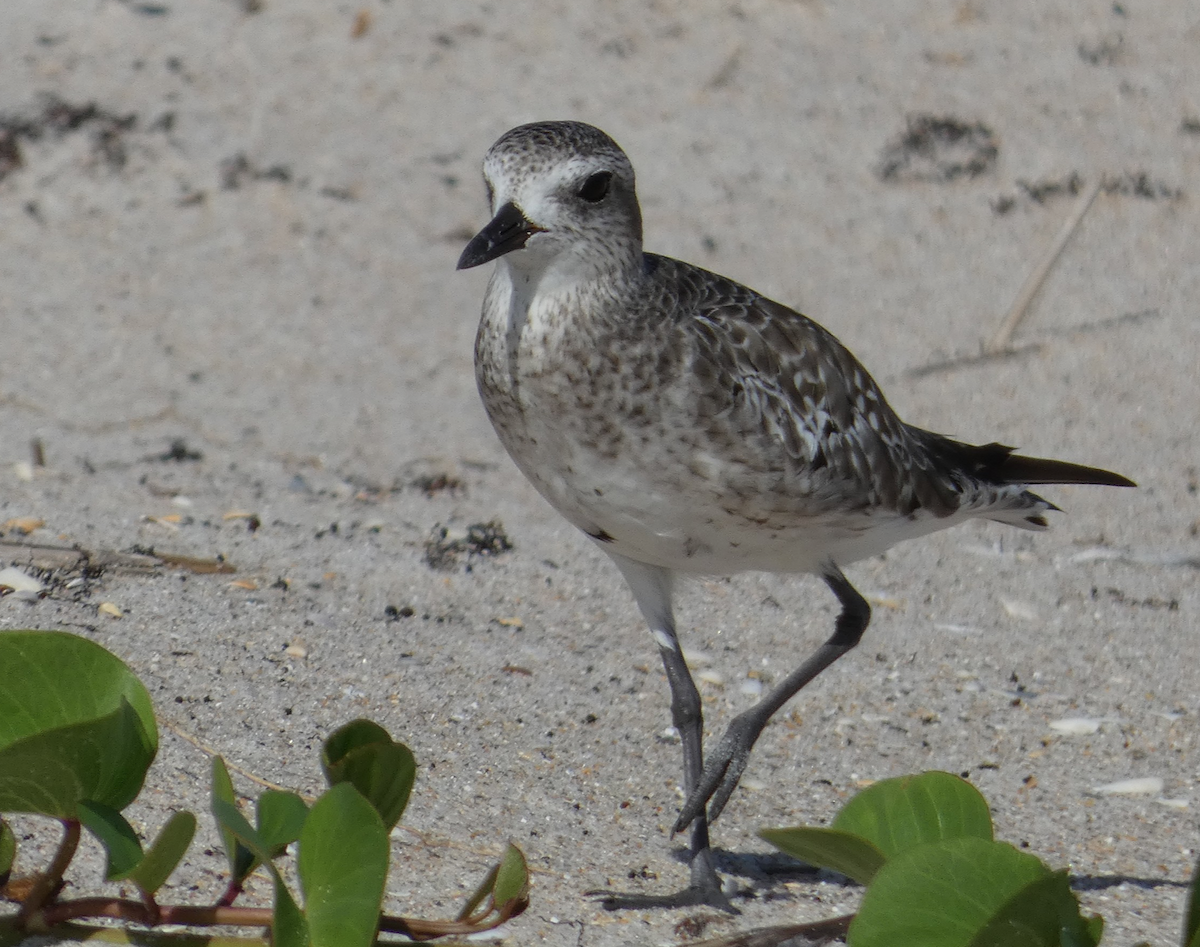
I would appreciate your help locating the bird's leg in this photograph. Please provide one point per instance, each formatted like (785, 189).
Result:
(651, 586)
(688, 717)
(727, 761)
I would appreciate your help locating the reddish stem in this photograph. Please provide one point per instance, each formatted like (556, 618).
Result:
(46, 889)
(137, 912)
(232, 893)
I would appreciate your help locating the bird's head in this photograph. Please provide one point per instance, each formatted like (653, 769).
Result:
(562, 199)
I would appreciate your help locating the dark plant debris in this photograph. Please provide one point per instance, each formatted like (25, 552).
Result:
(1127, 184)
(444, 552)
(939, 149)
(1104, 52)
(56, 117)
(1153, 602)
(238, 170)
(178, 453)
(1041, 191)
(1140, 184)
(433, 484)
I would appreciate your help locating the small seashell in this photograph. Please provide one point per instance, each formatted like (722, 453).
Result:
(1075, 726)
(1021, 610)
(14, 580)
(296, 651)
(1142, 786)
(108, 608)
(1173, 803)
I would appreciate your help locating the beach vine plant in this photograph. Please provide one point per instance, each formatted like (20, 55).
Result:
(935, 875)
(77, 737)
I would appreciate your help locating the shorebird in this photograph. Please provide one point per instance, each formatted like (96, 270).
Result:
(687, 424)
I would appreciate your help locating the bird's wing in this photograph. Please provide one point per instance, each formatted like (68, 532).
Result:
(787, 389)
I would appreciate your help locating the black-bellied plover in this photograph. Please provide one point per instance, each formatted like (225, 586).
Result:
(689, 425)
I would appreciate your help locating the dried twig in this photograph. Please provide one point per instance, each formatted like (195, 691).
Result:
(792, 935)
(1000, 341)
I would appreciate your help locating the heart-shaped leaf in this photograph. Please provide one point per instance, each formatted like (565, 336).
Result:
(898, 814)
(288, 925)
(165, 854)
(75, 723)
(280, 818)
(511, 889)
(853, 856)
(343, 864)
(241, 860)
(121, 846)
(363, 754)
(941, 894)
(1045, 913)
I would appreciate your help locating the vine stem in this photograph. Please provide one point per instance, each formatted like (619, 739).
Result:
(46, 889)
(136, 911)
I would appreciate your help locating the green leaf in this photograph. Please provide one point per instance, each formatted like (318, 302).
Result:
(166, 853)
(853, 856)
(349, 737)
(1191, 923)
(122, 849)
(363, 754)
(241, 860)
(75, 723)
(1045, 913)
(280, 817)
(230, 819)
(941, 894)
(512, 881)
(506, 883)
(898, 814)
(8, 850)
(288, 925)
(343, 864)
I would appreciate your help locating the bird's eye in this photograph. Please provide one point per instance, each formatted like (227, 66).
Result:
(595, 188)
(491, 193)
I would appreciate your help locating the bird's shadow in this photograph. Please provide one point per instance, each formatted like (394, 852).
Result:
(766, 869)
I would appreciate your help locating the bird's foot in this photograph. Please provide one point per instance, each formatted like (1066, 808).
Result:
(705, 890)
(689, 897)
(724, 767)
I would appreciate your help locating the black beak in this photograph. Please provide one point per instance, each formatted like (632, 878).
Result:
(507, 231)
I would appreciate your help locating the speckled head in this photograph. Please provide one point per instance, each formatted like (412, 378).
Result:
(563, 195)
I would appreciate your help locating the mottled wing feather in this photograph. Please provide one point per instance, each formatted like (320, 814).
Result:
(774, 375)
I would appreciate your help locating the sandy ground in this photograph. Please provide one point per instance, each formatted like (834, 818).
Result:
(227, 244)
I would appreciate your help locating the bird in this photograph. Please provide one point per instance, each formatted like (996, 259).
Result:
(689, 425)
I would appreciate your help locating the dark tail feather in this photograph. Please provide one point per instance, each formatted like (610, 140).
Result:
(995, 463)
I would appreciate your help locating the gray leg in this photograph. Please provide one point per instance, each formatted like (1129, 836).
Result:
(651, 587)
(727, 762)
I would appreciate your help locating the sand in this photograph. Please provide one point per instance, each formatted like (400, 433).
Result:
(227, 244)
